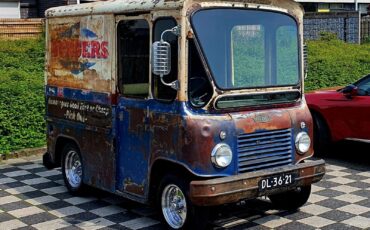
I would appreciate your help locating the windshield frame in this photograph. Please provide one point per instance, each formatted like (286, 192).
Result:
(210, 71)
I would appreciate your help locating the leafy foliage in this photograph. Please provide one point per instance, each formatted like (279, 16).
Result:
(250, 57)
(287, 55)
(21, 94)
(328, 36)
(332, 62)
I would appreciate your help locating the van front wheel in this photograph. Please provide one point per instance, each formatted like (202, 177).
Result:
(175, 206)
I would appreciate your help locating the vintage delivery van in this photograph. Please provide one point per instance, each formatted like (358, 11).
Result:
(187, 104)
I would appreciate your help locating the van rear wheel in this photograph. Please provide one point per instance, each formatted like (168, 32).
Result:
(72, 169)
(175, 206)
(47, 162)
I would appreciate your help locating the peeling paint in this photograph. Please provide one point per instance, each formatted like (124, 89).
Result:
(122, 138)
(81, 53)
(233, 189)
(133, 188)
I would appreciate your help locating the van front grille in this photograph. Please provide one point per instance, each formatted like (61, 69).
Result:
(265, 149)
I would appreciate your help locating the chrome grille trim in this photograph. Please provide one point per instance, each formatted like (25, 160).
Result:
(265, 149)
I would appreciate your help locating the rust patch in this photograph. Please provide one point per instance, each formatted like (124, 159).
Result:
(245, 186)
(79, 53)
(133, 188)
(164, 129)
(69, 82)
(197, 139)
(190, 35)
(194, 7)
(265, 2)
(137, 120)
(298, 115)
(96, 149)
(250, 122)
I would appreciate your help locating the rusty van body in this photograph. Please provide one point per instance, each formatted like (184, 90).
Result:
(223, 118)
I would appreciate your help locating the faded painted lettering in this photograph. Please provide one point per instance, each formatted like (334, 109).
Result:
(79, 111)
(80, 53)
(74, 48)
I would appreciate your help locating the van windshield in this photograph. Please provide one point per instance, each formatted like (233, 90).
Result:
(248, 48)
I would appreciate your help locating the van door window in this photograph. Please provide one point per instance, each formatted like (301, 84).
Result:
(161, 91)
(200, 89)
(133, 57)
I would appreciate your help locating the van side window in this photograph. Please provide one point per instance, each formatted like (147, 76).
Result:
(133, 57)
(161, 91)
(199, 88)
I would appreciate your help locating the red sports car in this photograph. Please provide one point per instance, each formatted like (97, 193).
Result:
(342, 114)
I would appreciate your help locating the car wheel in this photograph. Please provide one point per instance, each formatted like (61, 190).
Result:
(72, 169)
(321, 135)
(291, 200)
(175, 206)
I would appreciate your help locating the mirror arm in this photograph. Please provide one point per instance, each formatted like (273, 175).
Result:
(161, 59)
(174, 85)
(177, 31)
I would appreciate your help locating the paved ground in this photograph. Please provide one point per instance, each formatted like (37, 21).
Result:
(33, 198)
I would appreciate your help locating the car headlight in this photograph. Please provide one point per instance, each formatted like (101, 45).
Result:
(221, 155)
(302, 142)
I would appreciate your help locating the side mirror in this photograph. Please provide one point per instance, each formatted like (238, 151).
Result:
(350, 91)
(161, 58)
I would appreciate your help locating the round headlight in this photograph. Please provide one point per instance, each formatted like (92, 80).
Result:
(221, 155)
(302, 142)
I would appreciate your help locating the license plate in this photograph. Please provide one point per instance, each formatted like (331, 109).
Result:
(277, 181)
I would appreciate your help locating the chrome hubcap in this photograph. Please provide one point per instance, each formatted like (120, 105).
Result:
(73, 169)
(174, 206)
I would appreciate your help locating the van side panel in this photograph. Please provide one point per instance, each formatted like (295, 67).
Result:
(80, 52)
(79, 93)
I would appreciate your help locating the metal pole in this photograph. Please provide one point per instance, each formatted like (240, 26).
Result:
(359, 34)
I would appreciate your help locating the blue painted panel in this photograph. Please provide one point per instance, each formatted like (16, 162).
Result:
(133, 146)
(135, 140)
(78, 94)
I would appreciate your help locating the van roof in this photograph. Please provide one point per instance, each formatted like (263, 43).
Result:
(129, 6)
(112, 7)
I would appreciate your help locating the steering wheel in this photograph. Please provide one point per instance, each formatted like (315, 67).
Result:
(363, 92)
(198, 91)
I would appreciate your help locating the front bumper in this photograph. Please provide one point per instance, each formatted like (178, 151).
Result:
(232, 189)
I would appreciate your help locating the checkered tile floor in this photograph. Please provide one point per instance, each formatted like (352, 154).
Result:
(33, 198)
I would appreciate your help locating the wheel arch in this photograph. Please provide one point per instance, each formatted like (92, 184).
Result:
(59, 145)
(161, 167)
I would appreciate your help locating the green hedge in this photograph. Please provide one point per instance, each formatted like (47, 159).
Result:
(335, 63)
(21, 94)
(331, 63)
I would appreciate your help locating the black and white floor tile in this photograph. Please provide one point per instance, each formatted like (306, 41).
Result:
(32, 197)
